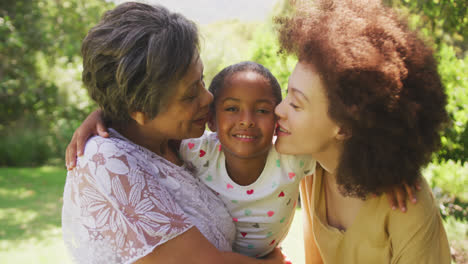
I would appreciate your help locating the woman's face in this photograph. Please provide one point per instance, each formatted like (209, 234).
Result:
(187, 111)
(304, 126)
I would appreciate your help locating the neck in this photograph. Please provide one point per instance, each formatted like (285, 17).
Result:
(245, 171)
(329, 158)
(150, 140)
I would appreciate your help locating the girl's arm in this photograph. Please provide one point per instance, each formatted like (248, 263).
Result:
(193, 247)
(92, 125)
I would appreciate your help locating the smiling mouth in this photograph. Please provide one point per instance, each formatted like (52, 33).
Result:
(244, 136)
(280, 129)
(201, 121)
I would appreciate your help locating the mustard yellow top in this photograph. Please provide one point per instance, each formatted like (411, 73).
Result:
(378, 234)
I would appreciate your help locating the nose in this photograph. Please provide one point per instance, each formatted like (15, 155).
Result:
(279, 110)
(247, 119)
(207, 98)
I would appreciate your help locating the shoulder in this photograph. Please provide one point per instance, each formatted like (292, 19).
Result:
(416, 214)
(418, 236)
(300, 163)
(207, 144)
(420, 222)
(114, 153)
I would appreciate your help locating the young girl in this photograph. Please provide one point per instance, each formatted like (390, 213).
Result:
(258, 185)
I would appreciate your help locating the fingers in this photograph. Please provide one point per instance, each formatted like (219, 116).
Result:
(80, 144)
(70, 154)
(410, 192)
(417, 183)
(401, 198)
(391, 199)
(102, 130)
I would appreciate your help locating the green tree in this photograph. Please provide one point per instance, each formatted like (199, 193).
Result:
(36, 38)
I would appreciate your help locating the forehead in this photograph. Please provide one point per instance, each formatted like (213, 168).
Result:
(194, 71)
(306, 79)
(247, 85)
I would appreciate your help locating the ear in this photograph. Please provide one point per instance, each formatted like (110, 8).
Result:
(343, 133)
(139, 117)
(212, 122)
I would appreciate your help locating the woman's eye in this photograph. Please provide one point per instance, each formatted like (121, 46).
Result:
(190, 98)
(293, 105)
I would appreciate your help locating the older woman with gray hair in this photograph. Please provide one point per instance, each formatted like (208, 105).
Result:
(131, 199)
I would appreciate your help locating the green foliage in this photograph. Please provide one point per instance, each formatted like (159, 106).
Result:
(445, 21)
(450, 176)
(224, 43)
(454, 74)
(448, 181)
(264, 49)
(39, 40)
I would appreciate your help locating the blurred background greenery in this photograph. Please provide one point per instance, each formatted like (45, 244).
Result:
(42, 101)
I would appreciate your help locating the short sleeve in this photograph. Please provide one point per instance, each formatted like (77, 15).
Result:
(303, 165)
(198, 150)
(113, 212)
(418, 236)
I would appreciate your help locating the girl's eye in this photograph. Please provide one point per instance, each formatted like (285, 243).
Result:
(231, 109)
(263, 111)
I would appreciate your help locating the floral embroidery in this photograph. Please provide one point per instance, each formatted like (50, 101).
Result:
(122, 201)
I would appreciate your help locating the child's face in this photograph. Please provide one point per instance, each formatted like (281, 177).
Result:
(244, 115)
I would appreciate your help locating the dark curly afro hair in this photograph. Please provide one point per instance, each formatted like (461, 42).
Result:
(382, 84)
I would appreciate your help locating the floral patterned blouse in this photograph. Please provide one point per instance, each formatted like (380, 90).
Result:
(122, 200)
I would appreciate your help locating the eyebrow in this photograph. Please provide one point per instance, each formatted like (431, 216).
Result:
(238, 100)
(299, 92)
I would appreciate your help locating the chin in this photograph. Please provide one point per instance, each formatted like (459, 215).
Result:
(281, 148)
(197, 134)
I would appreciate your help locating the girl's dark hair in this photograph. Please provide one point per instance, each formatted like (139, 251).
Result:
(382, 84)
(134, 57)
(221, 79)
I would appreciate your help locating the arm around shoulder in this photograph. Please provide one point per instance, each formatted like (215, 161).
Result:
(418, 236)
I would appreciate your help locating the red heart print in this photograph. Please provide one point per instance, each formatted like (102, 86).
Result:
(202, 153)
(190, 145)
(272, 242)
(249, 192)
(281, 194)
(235, 219)
(270, 213)
(229, 186)
(291, 175)
(243, 234)
(219, 148)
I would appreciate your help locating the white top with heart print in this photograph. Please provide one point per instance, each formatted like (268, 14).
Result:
(263, 210)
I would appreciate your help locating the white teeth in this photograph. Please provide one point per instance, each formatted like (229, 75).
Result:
(283, 130)
(244, 136)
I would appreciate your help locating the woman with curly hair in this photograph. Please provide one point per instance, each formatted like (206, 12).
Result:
(365, 100)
